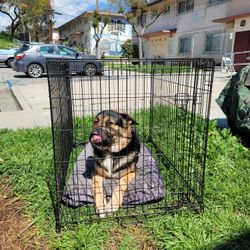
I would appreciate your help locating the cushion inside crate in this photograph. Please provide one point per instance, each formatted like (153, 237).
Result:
(148, 185)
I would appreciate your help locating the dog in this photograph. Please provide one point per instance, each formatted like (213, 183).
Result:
(116, 146)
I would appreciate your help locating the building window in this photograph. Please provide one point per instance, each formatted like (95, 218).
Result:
(184, 6)
(212, 42)
(185, 45)
(215, 2)
(243, 23)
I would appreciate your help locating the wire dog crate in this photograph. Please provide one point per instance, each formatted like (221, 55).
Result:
(169, 100)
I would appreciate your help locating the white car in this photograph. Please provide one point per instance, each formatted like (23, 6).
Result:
(7, 56)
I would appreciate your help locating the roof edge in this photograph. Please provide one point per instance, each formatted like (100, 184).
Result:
(160, 32)
(89, 12)
(230, 19)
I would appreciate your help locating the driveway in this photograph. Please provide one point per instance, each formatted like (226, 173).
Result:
(26, 104)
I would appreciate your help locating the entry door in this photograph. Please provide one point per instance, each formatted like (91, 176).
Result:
(242, 43)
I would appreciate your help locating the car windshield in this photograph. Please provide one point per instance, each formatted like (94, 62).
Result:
(65, 51)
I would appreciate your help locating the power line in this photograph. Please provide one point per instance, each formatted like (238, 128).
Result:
(65, 9)
(67, 4)
(71, 3)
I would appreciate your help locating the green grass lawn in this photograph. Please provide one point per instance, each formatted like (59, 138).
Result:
(158, 66)
(225, 224)
(147, 67)
(7, 41)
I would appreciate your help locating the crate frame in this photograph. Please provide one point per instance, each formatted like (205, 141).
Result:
(184, 86)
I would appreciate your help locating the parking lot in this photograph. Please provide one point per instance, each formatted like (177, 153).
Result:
(24, 101)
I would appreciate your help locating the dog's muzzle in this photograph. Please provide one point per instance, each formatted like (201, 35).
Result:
(100, 136)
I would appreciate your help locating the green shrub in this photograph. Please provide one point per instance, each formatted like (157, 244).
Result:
(129, 49)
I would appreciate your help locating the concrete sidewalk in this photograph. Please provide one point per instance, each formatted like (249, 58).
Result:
(33, 103)
(35, 112)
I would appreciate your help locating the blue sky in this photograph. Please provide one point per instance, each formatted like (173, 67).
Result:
(73, 8)
(68, 8)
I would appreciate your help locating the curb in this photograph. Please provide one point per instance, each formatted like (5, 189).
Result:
(20, 99)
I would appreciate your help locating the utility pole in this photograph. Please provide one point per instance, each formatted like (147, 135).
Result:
(50, 22)
(97, 48)
(97, 5)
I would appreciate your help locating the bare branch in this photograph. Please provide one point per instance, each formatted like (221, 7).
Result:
(6, 13)
(102, 29)
(157, 16)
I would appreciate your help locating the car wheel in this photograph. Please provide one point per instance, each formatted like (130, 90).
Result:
(9, 62)
(89, 69)
(34, 70)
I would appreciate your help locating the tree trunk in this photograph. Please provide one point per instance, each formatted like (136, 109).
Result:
(14, 27)
(140, 47)
(140, 50)
(140, 44)
(12, 32)
(97, 50)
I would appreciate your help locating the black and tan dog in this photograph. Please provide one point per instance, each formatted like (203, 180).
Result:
(116, 147)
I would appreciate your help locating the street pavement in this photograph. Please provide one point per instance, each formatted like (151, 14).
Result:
(24, 102)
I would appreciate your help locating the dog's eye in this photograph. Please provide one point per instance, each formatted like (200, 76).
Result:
(109, 123)
(95, 122)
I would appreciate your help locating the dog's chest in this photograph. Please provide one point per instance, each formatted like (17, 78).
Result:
(107, 163)
(111, 166)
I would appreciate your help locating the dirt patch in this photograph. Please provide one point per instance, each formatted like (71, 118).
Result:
(17, 232)
(141, 239)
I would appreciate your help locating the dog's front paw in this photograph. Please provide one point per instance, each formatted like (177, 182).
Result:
(110, 208)
(101, 212)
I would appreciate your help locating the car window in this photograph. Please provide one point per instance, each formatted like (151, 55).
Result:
(25, 47)
(64, 51)
(47, 50)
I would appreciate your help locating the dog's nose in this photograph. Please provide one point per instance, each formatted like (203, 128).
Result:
(97, 131)
(96, 136)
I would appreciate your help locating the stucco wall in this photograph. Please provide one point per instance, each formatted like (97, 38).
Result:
(80, 30)
(198, 22)
(237, 23)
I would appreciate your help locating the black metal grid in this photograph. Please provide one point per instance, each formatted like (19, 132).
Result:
(170, 100)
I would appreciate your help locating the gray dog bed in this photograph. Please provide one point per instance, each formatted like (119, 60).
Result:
(147, 186)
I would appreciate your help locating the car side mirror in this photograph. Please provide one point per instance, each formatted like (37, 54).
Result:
(77, 55)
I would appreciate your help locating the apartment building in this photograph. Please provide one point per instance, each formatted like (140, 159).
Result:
(198, 28)
(79, 31)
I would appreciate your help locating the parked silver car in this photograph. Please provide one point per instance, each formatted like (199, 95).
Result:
(7, 56)
(31, 59)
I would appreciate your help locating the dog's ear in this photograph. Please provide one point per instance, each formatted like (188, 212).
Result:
(128, 119)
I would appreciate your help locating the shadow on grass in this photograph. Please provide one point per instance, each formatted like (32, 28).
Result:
(240, 242)
(244, 138)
